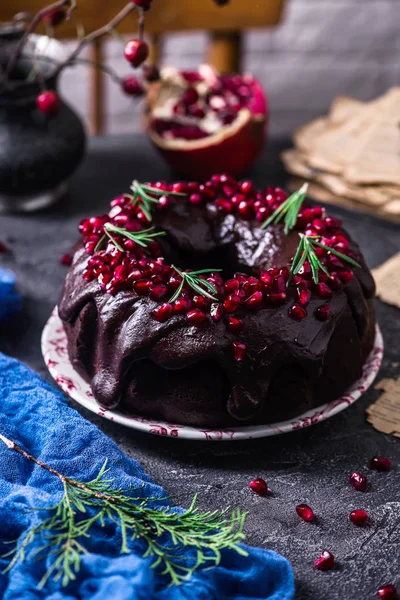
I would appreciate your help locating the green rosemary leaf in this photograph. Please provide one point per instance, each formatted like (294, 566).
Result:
(203, 271)
(142, 238)
(195, 285)
(199, 285)
(297, 264)
(100, 243)
(178, 292)
(114, 241)
(288, 210)
(153, 190)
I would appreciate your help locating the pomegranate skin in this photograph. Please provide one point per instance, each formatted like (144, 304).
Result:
(232, 150)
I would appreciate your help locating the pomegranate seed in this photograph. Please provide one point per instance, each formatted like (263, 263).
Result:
(231, 303)
(163, 312)
(182, 305)
(231, 286)
(223, 205)
(217, 312)
(132, 86)
(253, 285)
(145, 4)
(323, 312)
(246, 187)
(245, 210)
(325, 562)
(305, 512)
(201, 302)
(196, 317)
(297, 312)
(48, 102)
(136, 52)
(234, 325)
(340, 242)
(254, 301)
(237, 199)
(259, 486)
(142, 286)
(276, 298)
(303, 296)
(150, 72)
(318, 225)
(3, 248)
(158, 291)
(380, 463)
(346, 276)
(358, 481)
(359, 517)
(388, 592)
(334, 281)
(239, 350)
(190, 96)
(323, 290)
(195, 199)
(266, 278)
(262, 213)
(280, 284)
(332, 222)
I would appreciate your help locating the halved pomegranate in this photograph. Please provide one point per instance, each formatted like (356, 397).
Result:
(203, 122)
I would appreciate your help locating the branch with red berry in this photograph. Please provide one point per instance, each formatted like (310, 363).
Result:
(136, 51)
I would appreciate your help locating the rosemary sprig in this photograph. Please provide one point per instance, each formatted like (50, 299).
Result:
(142, 238)
(141, 195)
(193, 280)
(306, 251)
(288, 210)
(87, 505)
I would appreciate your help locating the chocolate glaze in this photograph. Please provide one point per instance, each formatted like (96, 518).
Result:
(176, 372)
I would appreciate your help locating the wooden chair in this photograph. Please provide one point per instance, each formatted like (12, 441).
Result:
(224, 24)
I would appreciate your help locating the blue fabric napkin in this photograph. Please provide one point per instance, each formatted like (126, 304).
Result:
(38, 418)
(10, 301)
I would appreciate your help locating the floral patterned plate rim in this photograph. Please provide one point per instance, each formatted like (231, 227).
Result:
(54, 349)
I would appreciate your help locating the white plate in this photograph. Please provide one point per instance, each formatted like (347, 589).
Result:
(54, 349)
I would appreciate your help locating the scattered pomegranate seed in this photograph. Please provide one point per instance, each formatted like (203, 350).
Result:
(255, 301)
(305, 512)
(380, 463)
(234, 325)
(231, 303)
(358, 481)
(325, 562)
(3, 248)
(239, 351)
(303, 295)
(217, 312)
(359, 517)
(297, 312)
(182, 305)
(259, 486)
(388, 592)
(345, 276)
(48, 103)
(65, 260)
(196, 317)
(163, 312)
(323, 290)
(136, 52)
(158, 291)
(323, 312)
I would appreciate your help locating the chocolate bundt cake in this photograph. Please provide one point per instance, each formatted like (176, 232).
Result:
(217, 305)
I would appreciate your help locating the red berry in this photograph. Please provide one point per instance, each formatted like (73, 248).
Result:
(196, 317)
(259, 486)
(303, 295)
(151, 73)
(158, 291)
(48, 102)
(163, 312)
(239, 351)
(255, 301)
(359, 517)
(132, 86)
(323, 290)
(305, 512)
(388, 592)
(182, 305)
(54, 17)
(66, 260)
(358, 481)
(323, 312)
(325, 562)
(380, 463)
(231, 303)
(145, 4)
(136, 52)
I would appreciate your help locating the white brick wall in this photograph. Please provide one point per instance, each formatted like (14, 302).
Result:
(322, 48)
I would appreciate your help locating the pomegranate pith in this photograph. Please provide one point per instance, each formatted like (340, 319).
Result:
(259, 486)
(325, 562)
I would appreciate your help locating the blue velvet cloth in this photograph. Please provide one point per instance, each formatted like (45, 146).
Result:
(38, 418)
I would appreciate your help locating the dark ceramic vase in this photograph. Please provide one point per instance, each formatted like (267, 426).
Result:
(38, 152)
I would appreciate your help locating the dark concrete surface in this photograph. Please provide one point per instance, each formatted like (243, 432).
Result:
(309, 466)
